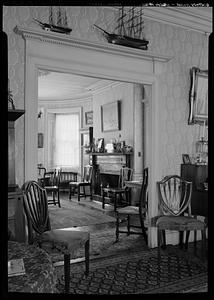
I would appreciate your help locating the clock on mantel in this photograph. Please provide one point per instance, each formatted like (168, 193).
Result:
(13, 115)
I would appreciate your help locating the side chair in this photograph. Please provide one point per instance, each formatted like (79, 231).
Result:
(51, 183)
(121, 192)
(133, 211)
(80, 185)
(175, 212)
(65, 241)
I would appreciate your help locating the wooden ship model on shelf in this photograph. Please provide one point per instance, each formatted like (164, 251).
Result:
(129, 29)
(56, 23)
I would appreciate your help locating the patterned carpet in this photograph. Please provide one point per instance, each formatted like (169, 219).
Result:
(137, 273)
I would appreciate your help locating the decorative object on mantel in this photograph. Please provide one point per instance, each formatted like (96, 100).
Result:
(10, 97)
(57, 21)
(202, 147)
(129, 29)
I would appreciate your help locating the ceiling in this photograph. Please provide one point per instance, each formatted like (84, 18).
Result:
(62, 86)
(58, 86)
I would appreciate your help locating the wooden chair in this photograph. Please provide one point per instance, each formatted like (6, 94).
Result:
(65, 178)
(175, 209)
(80, 185)
(133, 211)
(121, 192)
(65, 241)
(51, 182)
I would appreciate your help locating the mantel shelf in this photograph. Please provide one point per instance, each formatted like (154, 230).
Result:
(108, 154)
(14, 114)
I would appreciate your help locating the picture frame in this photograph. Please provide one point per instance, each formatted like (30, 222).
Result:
(89, 117)
(111, 116)
(186, 159)
(100, 144)
(40, 140)
(198, 98)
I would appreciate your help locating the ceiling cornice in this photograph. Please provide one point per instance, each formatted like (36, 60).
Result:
(188, 17)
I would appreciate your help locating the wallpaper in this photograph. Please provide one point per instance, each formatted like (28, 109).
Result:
(187, 49)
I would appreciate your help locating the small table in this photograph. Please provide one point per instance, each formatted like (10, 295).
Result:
(39, 276)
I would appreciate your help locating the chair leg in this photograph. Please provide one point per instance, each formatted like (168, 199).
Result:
(187, 239)
(67, 272)
(103, 200)
(78, 193)
(115, 201)
(203, 245)
(163, 246)
(159, 246)
(181, 236)
(128, 224)
(87, 246)
(91, 192)
(117, 227)
(195, 241)
(143, 229)
(59, 199)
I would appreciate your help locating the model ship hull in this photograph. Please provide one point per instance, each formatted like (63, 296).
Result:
(127, 41)
(124, 40)
(54, 28)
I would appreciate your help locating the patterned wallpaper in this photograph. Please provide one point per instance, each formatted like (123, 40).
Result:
(187, 48)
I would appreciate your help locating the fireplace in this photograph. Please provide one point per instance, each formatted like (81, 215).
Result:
(107, 170)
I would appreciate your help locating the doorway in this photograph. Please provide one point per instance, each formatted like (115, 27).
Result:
(95, 60)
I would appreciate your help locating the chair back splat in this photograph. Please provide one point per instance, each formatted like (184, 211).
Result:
(36, 209)
(175, 195)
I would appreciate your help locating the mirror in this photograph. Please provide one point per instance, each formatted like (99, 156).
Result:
(198, 96)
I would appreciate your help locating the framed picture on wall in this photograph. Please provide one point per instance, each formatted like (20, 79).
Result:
(111, 116)
(198, 111)
(186, 159)
(89, 118)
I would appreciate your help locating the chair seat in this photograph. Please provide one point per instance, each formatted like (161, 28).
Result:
(54, 187)
(179, 223)
(82, 183)
(114, 190)
(129, 210)
(65, 240)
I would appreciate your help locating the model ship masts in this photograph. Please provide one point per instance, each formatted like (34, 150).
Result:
(61, 23)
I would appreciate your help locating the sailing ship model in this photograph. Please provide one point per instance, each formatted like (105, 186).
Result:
(129, 29)
(61, 24)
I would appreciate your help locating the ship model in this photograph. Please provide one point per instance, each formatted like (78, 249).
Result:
(61, 24)
(129, 29)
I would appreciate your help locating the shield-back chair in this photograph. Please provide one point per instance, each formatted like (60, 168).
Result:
(175, 211)
(51, 182)
(133, 211)
(65, 241)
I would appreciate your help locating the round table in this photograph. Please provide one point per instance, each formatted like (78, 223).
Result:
(39, 274)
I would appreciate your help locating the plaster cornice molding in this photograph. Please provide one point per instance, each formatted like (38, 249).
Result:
(57, 38)
(185, 17)
(188, 17)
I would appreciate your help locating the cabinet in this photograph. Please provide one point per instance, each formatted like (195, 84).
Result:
(197, 174)
(15, 197)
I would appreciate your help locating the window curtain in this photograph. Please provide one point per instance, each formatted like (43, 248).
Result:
(66, 149)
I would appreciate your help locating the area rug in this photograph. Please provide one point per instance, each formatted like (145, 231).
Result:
(102, 243)
(137, 273)
(72, 214)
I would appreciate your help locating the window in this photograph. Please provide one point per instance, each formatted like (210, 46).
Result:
(67, 148)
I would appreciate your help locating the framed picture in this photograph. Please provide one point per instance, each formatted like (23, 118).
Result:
(198, 111)
(100, 145)
(89, 118)
(110, 116)
(186, 159)
(40, 140)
